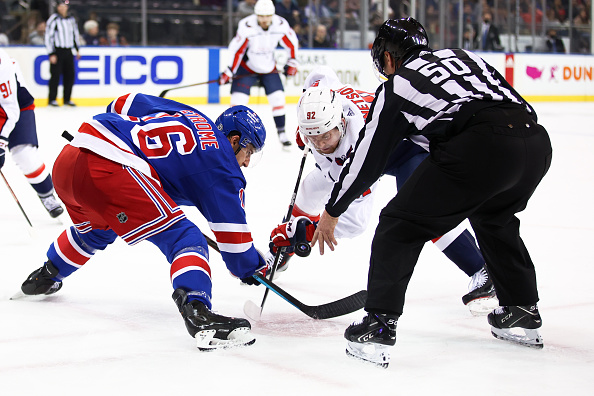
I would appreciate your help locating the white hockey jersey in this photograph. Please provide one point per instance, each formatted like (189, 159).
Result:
(253, 47)
(10, 111)
(317, 185)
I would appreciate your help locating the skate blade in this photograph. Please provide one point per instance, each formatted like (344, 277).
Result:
(239, 337)
(371, 353)
(525, 337)
(482, 306)
(26, 297)
(252, 310)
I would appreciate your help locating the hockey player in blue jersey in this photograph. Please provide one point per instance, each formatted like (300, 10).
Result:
(160, 154)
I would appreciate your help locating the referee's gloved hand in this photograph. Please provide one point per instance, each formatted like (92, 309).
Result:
(3, 148)
(225, 77)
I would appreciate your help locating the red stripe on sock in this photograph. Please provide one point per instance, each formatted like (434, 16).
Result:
(189, 260)
(70, 251)
(36, 173)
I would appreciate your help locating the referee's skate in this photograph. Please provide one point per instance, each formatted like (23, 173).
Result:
(517, 324)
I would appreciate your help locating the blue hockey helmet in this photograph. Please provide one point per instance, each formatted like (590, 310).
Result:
(399, 37)
(246, 123)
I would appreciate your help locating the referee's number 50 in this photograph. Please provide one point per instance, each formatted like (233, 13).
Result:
(452, 65)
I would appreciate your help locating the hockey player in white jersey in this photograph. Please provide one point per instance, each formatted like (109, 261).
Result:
(330, 115)
(251, 59)
(18, 133)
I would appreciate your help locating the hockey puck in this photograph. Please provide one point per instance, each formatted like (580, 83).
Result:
(302, 249)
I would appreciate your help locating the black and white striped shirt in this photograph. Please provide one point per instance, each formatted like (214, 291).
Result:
(434, 93)
(61, 33)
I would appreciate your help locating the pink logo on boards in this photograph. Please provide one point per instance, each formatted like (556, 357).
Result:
(534, 72)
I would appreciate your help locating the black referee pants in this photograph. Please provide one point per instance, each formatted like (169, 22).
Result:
(64, 68)
(486, 173)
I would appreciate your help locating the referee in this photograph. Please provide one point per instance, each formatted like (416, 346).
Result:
(61, 38)
(487, 156)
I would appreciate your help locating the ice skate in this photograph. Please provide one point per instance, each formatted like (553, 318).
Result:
(210, 330)
(52, 205)
(40, 281)
(517, 324)
(283, 262)
(369, 339)
(282, 137)
(481, 298)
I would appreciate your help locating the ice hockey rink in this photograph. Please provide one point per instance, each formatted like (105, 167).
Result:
(113, 329)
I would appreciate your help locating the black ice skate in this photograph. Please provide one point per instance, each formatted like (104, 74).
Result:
(52, 205)
(283, 262)
(481, 298)
(210, 330)
(517, 324)
(40, 281)
(370, 338)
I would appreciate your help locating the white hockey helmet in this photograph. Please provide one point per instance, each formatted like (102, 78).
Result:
(264, 7)
(319, 111)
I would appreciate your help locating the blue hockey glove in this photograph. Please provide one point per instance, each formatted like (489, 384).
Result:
(262, 269)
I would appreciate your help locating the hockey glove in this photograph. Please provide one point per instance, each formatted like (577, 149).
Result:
(262, 269)
(3, 148)
(294, 235)
(299, 141)
(225, 77)
(291, 67)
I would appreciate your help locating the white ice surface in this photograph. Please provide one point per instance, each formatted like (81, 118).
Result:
(113, 329)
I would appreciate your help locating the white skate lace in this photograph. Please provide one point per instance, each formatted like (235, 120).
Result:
(499, 310)
(478, 279)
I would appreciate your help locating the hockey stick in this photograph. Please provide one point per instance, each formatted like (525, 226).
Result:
(163, 93)
(250, 308)
(344, 306)
(18, 203)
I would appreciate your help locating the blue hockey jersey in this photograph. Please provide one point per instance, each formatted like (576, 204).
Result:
(182, 149)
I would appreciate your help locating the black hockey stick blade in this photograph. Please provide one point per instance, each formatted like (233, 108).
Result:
(344, 306)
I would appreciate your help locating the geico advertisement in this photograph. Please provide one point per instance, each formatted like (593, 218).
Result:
(103, 72)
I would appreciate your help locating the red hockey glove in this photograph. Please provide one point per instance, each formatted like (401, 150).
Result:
(298, 140)
(294, 235)
(291, 67)
(225, 77)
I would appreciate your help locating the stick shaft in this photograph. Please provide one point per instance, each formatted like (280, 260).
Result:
(16, 200)
(287, 217)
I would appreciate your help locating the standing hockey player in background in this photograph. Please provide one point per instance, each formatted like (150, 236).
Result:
(487, 156)
(18, 133)
(330, 115)
(251, 55)
(159, 154)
